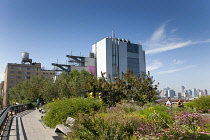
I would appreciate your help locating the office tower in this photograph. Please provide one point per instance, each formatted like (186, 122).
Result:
(189, 93)
(115, 55)
(205, 92)
(179, 94)
(183, 91)
(194, 94)
(171, 93)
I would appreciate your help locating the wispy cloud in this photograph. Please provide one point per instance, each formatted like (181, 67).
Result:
(155, 65)
(159, 34)
(160, 41)
(168, 47)
(176, 70)
(177, 62)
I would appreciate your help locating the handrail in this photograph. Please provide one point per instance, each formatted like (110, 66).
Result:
(13, 110)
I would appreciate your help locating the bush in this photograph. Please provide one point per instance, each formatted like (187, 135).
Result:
(123, 108)
(58, 111)
(157, 113)
(202, 102)
(105, 127)
(190, 104)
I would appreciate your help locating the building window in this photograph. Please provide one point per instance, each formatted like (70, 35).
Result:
(18, 77)
(19, 68)
(11, 81)
(132, 48)
(27, 68)
(133, 60)
(27, 77)
(11, 77)
(12, 67)
(12, 72)
(43, 72)
(27, 72)
(19, 72)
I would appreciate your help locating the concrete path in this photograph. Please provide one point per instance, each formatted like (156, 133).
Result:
(28, 126)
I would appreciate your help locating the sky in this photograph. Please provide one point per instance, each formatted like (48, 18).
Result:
(175, 34)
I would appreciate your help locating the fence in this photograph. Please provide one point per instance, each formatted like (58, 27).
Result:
(9, 111)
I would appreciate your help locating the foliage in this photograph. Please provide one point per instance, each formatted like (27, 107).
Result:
(58, 111)
(190, 104)
(159, 114)
(102, 126)
(201, 103)
(124, 108)
(128, 87)
(28, 91)
(185, 125)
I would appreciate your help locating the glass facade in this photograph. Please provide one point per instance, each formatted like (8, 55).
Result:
(133, 48)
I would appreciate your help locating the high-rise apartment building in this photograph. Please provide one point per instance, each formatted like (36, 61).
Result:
(115, 55)
(16, 73)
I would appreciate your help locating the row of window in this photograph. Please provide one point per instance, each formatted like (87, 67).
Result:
(19, 77)
(20, 68)
(11, 81)
(133, 60)
(47, 73)
(19, 72)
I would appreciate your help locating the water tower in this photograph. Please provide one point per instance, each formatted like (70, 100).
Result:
(25, 58)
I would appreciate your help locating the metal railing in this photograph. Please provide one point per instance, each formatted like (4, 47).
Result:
(10, 111)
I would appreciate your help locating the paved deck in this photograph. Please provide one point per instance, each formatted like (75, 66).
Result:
(28, 126)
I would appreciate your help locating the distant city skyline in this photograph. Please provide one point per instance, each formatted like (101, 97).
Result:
(185, 92)
(174, 34)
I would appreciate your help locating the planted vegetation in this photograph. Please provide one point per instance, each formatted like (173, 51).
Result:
(114, 109)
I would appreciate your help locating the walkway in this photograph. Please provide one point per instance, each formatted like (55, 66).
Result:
(28, 126)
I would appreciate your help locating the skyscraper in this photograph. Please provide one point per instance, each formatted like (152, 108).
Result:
(194, 94)
(205, 92)
(115, 55)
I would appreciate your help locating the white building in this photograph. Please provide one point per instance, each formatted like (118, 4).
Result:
(114, 55)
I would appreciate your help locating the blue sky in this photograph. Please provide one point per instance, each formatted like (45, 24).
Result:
(175, 34)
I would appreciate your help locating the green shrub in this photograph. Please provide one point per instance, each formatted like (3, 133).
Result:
(157, 114)
(190, 104)
(123, 108)
(108, 126)
(202, 102)
(58, 111)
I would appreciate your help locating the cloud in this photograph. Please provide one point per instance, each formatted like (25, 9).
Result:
(159, 34)
(177, 62)
(168, 47)
(160, 41)
(176, 70)
(156, 64)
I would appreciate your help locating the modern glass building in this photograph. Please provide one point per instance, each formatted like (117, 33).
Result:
(115, 55)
